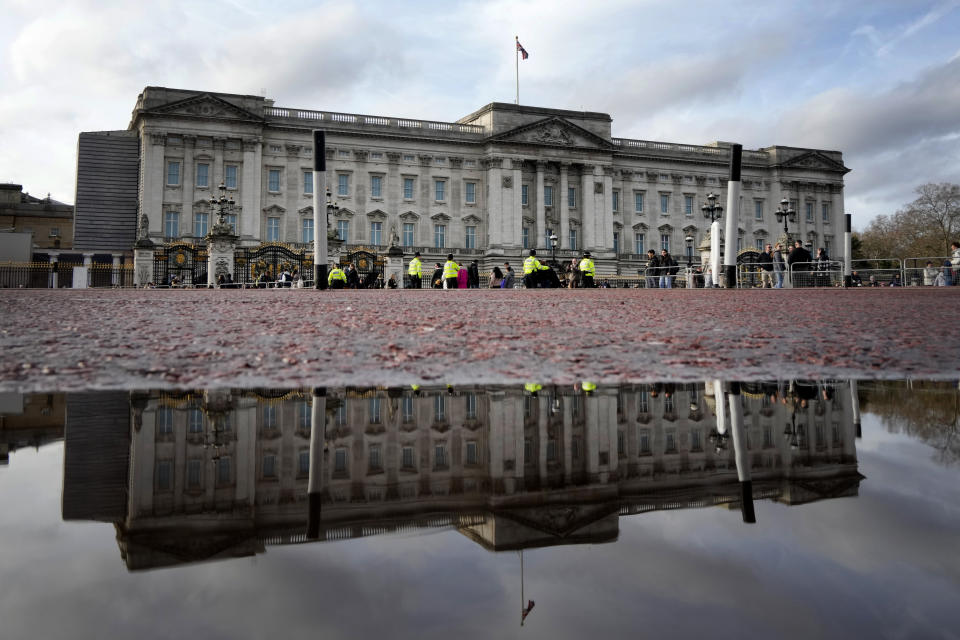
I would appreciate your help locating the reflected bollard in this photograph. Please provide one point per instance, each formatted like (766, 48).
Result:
(318, 421)
(741, 454)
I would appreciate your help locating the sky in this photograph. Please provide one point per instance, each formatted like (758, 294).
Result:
(878, 80)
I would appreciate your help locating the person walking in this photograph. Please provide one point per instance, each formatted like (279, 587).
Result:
(336, 279)
(652, 271)
(353, 276)
(573, 274)
(436, 280)
(668, 269)
(587, 270)
(415, 271)
(450, 272)
(779, 266)
(473, 275)
(766, 268)
(509, 278)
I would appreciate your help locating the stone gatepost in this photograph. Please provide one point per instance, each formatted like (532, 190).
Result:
(393, 266)
(221, 244)
(143, 255)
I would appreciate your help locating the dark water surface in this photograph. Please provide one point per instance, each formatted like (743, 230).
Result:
(439, 512)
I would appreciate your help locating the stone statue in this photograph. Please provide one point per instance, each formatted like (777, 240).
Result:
(394, 236)
(143, 227)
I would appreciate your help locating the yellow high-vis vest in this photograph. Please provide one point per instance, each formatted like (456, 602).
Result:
(414, 268)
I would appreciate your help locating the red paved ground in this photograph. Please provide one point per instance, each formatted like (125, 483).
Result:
(71, 340)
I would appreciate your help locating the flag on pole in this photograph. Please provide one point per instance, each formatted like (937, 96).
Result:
(523, 52)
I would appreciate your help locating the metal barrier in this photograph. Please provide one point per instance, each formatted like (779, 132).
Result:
(916, 273)
(46, 275)
(813, 274)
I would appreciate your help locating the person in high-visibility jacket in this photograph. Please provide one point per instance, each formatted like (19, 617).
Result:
(533, 388)
(414, 270)
(587, 270)
(450, 271)
(336, 279)
(532, 270)
(588, 387)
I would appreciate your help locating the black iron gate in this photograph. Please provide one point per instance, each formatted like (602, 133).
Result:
(180, 264)
(369, 267)
(266, 263)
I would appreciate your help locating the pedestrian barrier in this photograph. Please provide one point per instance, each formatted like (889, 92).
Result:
(47, 275)
(816, 274)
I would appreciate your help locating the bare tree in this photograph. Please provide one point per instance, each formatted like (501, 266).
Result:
(924, 227)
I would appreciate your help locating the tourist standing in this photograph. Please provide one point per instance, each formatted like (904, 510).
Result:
(336, 279)
(668, 267)
(779, 266)
(930, 274)
(509, 278)
(531, 270)
(436, 280)
(496, 278)
(799, 263)
(766, 268)
(473, 275)
(652, 271)
(954, 277)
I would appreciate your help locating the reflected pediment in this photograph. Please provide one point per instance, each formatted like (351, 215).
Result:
(554, 132)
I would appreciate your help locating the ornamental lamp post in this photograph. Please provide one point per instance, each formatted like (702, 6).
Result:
(785, 212)
(712, 211)
(222, 204)
(553, 245)
(690, 283)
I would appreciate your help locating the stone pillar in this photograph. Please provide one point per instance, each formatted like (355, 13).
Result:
(541, 242)
(154, 172)
(605, 212)
(393, 266)
(497, 205)
(586, 207)
(115, 279)
(250, 180)
(187, 180)
(221, 244)
(515, 212)
(564, 208)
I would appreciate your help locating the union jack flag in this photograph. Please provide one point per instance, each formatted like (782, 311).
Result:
(523, 52)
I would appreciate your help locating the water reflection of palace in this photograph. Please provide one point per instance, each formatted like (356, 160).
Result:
(211, 474)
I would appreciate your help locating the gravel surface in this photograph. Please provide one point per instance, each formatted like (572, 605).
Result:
(69, 340)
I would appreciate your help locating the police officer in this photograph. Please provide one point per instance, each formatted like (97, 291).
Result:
(414, 271)
(450, 270)
(336, 279)
(587, 270)
(531, 270)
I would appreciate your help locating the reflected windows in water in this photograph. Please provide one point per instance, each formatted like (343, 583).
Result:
(270, 466)
(645, 442)
(621, 444)
(195, 421)
(304, 417)
(576, 446)
(696, 441)
(269, 417)
(527, 451)
(194, 473)
(406, 408)
(340, 460)
(670, 440)
(374, 459)
(643, 401)
(439, 408)
(223, 471)
(374, 411)
(551, 450)
(303, 463)
(472, 452)
(164, 421)
(164, 468)
(406, 458)
(440, 456)
(471, 406)
(767, 436)
(341, 415)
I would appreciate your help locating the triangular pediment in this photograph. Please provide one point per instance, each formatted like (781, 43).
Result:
(554, 132)
(409, 216)
(559, 520)
(816, 161)
(377, 214)
(440, 217)
(274, 208)
(471, 219)
(206, 106)
(306, 211)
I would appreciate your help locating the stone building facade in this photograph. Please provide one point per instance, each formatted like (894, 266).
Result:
(495, 183)
(50, 222)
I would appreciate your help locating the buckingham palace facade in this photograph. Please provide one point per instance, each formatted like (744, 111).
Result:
(493, 184)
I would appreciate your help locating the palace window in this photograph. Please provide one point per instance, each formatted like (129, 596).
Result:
(526, 237)
(230, 177)
(524, 201)
(616, 242)
(548, 196)
(273, 229)
(306, 230)
(439, 231)
(376, 186)
(665, 242)
(173, 174)
(340, 460)
(273, 180)
(470, 242)
(308, 183)
(688, 205)
(758, 209)
(408, 188)
(199, 225)
(664, 203)
(825, 212)
(758, 244)
(343, 184)
(638, 201)
(546, 238)
(644, 441)
(408, 158)
(376, 229)
(616, 200)
(171, 225)
(343, 230)
(572, 197)
(203, 175)
(439, 187)
(809, 211)
(440, 456)
(231, 219)
(407, 234)
(638, 239)
(573, 239)
(163, 475)
(471, 192)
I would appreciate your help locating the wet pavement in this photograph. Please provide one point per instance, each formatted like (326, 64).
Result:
(97, 339)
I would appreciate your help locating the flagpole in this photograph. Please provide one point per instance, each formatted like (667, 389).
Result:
(516, 56)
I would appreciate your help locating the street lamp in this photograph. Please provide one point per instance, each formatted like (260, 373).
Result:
(713, 211)
(553, 245)
(785, 212)
(690, 282)
(223, 204)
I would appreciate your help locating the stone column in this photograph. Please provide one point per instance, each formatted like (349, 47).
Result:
(515, 213)
(564, 208)
(154, 175)
(497, 232)
(586, 207)
(187, 182)
(541, 242)
(605, 213)
(250, 181)
(393, 266)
